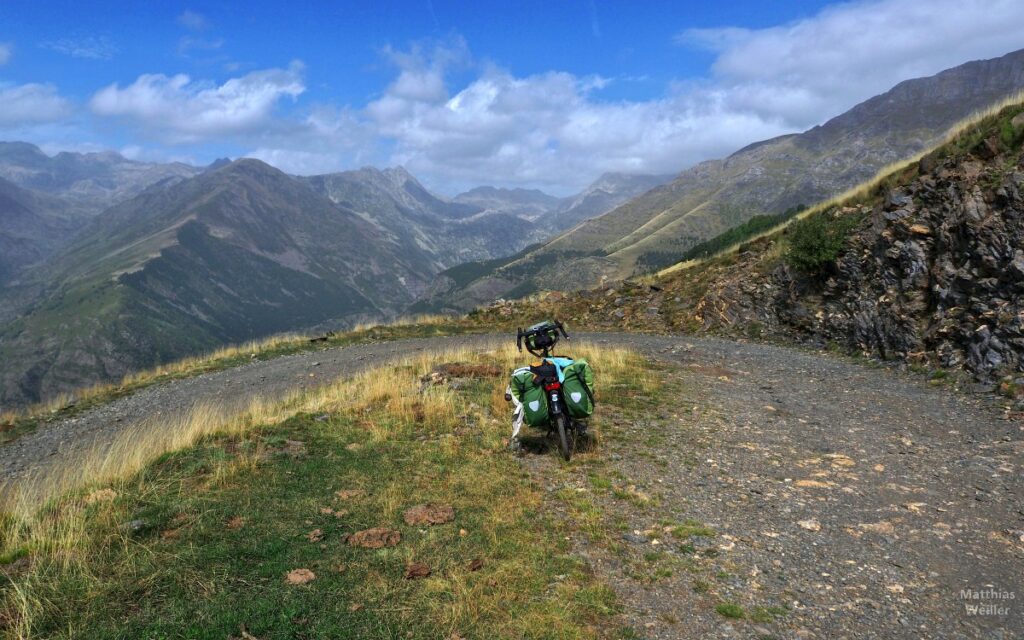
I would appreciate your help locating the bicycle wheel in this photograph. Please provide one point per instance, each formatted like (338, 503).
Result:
(564, 444)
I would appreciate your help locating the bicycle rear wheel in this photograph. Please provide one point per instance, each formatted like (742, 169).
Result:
(564, 441)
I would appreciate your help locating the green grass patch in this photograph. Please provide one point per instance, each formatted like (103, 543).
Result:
(767, 614)
(730, 610)
(688, 528)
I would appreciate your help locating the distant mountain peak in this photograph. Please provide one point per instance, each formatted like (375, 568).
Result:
(21, 151)
(218, 163)
(398, 172)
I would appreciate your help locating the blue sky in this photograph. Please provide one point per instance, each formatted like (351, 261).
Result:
(545, 94)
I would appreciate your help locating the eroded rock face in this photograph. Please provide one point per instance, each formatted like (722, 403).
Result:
(935, 272)
(938, 269)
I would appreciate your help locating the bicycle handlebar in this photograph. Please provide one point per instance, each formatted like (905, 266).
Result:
(538, 329)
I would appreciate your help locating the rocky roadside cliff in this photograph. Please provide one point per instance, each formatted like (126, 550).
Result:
(935, 272)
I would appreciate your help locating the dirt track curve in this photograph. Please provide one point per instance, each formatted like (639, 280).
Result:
(859, 502)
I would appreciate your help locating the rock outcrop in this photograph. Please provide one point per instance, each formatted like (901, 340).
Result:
(934, 273)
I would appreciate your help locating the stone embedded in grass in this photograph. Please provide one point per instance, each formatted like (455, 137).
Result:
(376, 538)
(135, 526)
(316, 535)
(299, 576)
(295, 448)
(349, 494)
(428, 514)
(416, 570)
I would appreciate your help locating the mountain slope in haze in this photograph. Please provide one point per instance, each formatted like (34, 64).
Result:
(232, 254)
(553, 215)
(529, 204)
(601, 196)
(441, 232)
(88, 182)
(467, 284)
(32, 226)
(769, 177)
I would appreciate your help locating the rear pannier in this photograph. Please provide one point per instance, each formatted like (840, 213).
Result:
(578, 389)
(530, 394)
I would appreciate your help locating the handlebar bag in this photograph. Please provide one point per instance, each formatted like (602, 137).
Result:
(528, 391)
(578, 388)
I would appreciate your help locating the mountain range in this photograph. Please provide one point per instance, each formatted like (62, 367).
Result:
(769, 177)
(202, 257)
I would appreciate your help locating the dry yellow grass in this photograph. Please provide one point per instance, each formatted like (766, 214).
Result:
(423, 319)
(395, 387)
(197, 364)
(46, 516)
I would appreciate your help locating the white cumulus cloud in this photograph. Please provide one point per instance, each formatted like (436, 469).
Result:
(555, 130)
(180, 110)
(30, 104)
(815, 68)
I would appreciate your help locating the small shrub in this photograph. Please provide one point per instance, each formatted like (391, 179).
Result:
(767, 614)
(816, 241)
(730, 610)
(1007, 134)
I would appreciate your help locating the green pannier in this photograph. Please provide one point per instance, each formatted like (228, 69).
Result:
(532, 396)
(578, 389)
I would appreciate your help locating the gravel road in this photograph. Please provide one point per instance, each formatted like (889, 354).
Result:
(848, 501)
(863, 502)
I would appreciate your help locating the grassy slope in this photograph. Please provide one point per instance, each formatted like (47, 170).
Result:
(223, 520)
